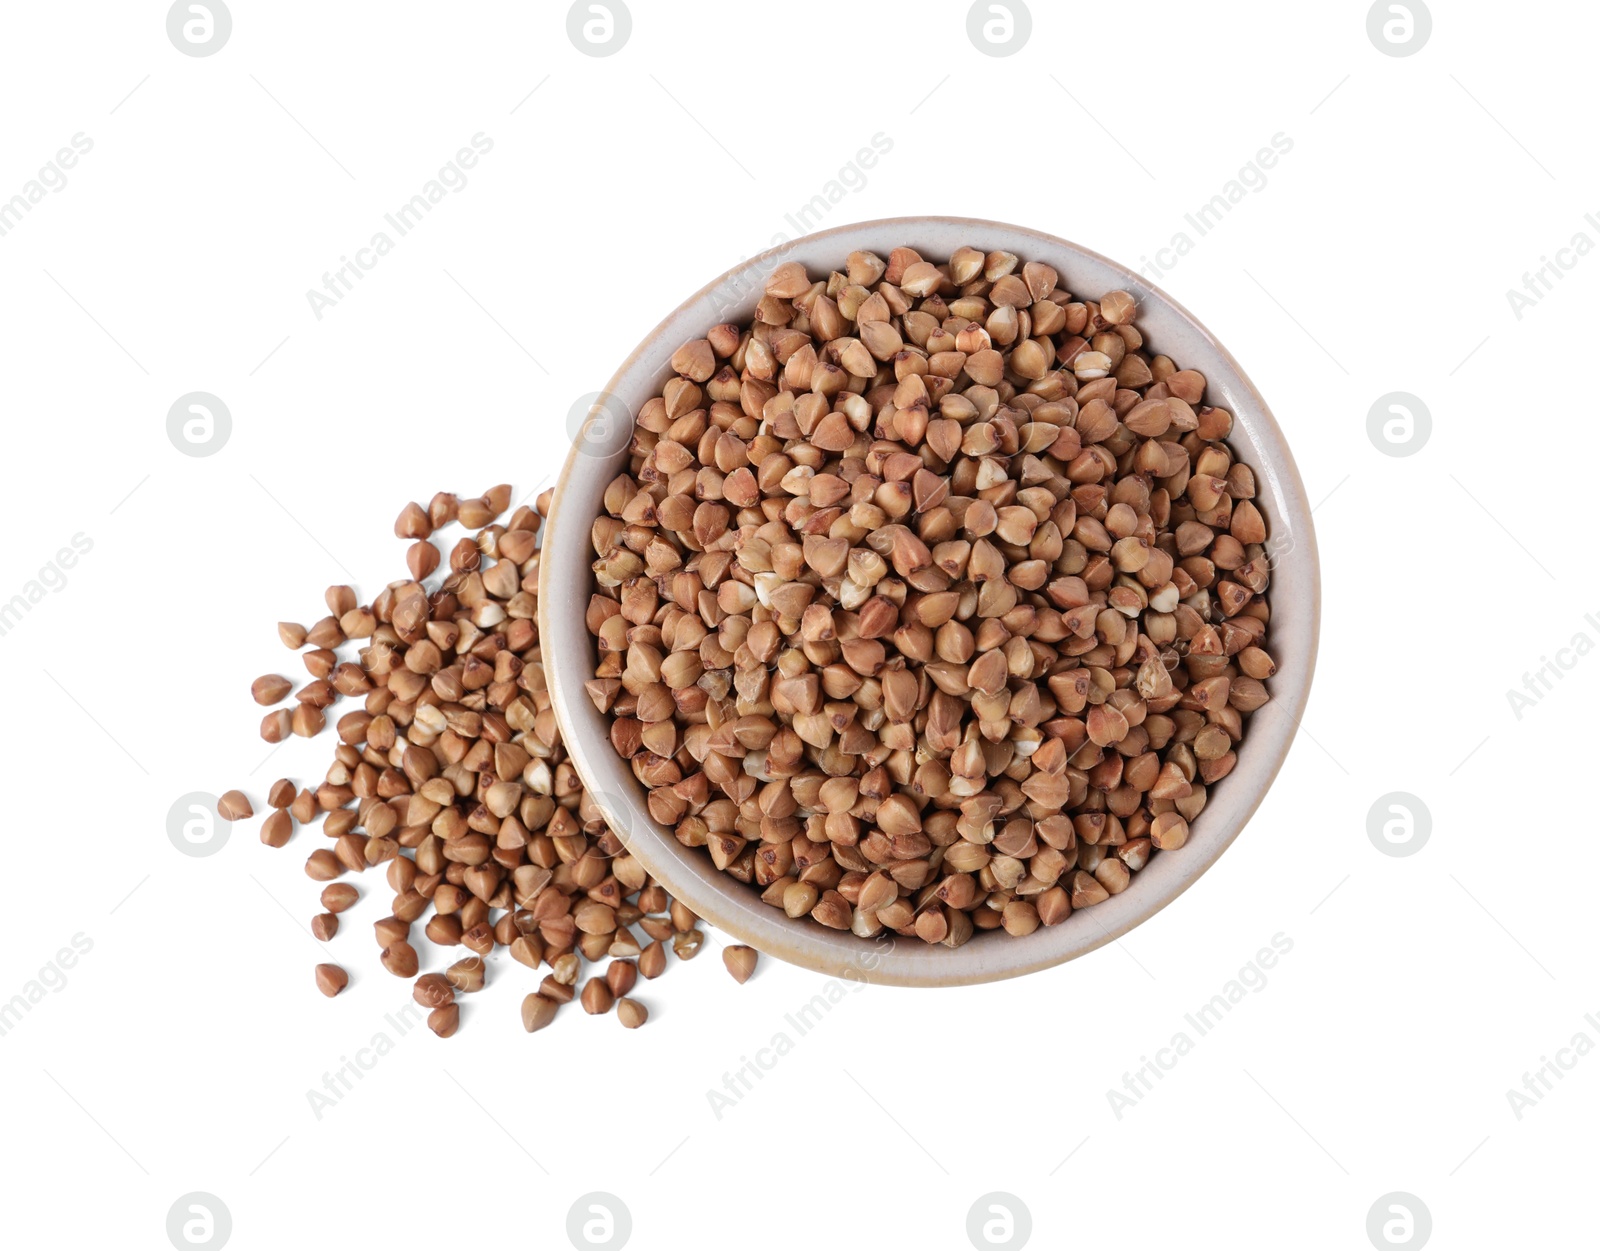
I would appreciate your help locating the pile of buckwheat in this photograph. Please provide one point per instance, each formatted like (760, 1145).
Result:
(930, 600)
(451, 773)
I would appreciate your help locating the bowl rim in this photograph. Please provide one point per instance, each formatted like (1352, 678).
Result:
(739, 913)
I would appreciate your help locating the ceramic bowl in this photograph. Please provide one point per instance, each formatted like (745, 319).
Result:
(599, 454)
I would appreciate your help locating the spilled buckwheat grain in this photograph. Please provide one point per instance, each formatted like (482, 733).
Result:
(451, 773)
(931, 600)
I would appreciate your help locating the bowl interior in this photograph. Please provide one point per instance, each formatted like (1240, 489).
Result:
(600, 453)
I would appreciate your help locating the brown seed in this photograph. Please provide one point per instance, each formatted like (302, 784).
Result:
(276, 726)
(339, 896)
(564, 968)
(475, 513)
(527, 950)
(466, 975)
(292, 634)
(323, 866)
(391, 930)
(632, 1013)
(325, 633)
(537, 1012)
(445, 1020)
(832, 910)
(281, 795)
(478, 938)
(446, 931)
(278, 828)
(234, 806)
(695, 360)
(594, 918)
(413, 523)
(422, 558)
(331, 979)
(1086, 891)
(324, 926)
(400, 958)
(269, 688)
(432, 990)
(1053, 906)
(443, 509)
(788, 281)
(653, 960)
(1256, 663)
(799, 898)
(932, 926)
(740, 962)
(621, 975)
(554, 989)
(1247, 524)
(686, 944)
(1118, 307)
(1169, 831)
(596, 997)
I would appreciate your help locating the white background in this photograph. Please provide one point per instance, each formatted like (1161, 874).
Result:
(179, 1053)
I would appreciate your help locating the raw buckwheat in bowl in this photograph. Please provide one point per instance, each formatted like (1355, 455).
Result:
(929, 601)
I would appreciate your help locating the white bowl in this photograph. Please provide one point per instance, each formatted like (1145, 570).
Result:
(565, 583)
